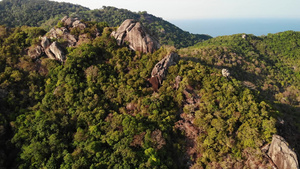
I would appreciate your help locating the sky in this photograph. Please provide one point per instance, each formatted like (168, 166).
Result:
(202, 9)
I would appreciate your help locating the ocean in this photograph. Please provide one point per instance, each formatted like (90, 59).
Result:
(220, 27)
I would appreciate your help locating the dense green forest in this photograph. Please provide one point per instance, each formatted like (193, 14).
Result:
(98, 110)
(47, 13)
(268, 65)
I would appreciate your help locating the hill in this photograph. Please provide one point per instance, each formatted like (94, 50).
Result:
(34, 12)
(96, 108)
(268, 65)
(46, 14)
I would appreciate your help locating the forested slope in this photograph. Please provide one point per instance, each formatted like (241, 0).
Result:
(47, 13)
(34, 12)
(98, 110)
(268, 65)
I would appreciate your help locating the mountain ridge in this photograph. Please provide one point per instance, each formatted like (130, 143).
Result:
(46, 14)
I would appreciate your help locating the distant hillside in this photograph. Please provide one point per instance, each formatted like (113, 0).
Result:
(46, 14)
(168, 33)
(34, 12)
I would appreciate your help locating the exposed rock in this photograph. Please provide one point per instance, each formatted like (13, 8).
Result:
(45, 42)
(138, 37)
(161, 68)
(62, 33)
(68, 22)
(35, 52)
(78, 24)
(281, 154)
(71, 39)
(56, 50)
(82, 39)
(244, 36)
(225, 72)
(49, 53)
(155, 83)
(265, 148)
(177, 81)
(158, 139)
(53, 33)
(64, 18)
(130, 106)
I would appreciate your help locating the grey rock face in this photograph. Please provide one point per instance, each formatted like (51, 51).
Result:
(161, 68)
(45, 42)
(49, 53)
(56, 51)
(281, 154)
(135, 33)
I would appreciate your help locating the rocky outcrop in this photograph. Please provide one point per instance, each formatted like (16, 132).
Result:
(45, 42)
(72, 22)
(137, 36)
(225, 72)
(78, 24)
(54, 50)
(161, 68)
(281, 154)
(35, 52)
(63, 33)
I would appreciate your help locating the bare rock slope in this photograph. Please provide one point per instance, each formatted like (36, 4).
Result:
(281, 154)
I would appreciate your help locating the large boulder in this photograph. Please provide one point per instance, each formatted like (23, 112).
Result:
(137, 36)
(55, 49)
(45, 42)
(49, 53)
(35, 52)
(68, 22)
(161, 68)
(78, 24)
(281, 154)
(62, 33)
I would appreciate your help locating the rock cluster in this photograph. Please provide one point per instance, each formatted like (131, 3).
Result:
(54, 49)
(281, 154)
(137, 36)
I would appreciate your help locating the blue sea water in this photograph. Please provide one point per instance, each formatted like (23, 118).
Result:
(220, 27)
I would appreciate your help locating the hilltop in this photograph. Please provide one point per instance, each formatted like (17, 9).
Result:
(47, 13)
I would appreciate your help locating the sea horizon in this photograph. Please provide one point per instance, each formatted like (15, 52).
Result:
(221, 27)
